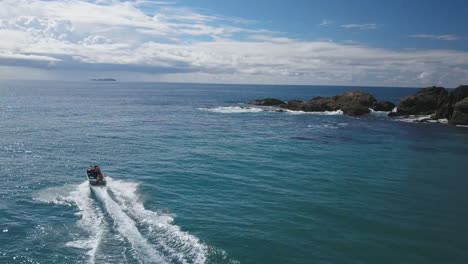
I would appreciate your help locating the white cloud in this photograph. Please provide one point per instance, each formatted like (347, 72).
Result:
(360, 26)
(6, 55)
(180, 44)
(437, 37)
(326, 22)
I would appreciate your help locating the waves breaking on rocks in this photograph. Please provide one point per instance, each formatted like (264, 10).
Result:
(248, 109)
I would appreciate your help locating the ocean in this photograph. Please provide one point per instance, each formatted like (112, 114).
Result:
(196, 176)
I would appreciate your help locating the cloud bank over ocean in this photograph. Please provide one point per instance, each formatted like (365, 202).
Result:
(162, 41)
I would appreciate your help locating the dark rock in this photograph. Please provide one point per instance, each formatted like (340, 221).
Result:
(445, 110)
(384, 106)
(350, 102)
(104, 80)
(267, 102)
(460, 113)
(295, 105)
(434, 101)
(353, 111)
(354, 99)
(353, 103)
(426, 101)
(459, 93)
(455, 96)
(318, 104)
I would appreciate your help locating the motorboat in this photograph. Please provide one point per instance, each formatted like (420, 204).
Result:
(95, 176)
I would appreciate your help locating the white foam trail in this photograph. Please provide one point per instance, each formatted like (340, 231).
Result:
(164, 242)
(177, 244)
(91, 219)
(127, 227)
(233, 109)
(91, 216)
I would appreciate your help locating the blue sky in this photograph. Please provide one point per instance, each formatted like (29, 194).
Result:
(395, 20)
(387, 43)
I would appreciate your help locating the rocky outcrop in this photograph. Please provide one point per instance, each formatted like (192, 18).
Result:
(295, 105)
(455, 96)
(351, 103)
(445, 110)
(267, 102)
(437, 102)
(426, 101)
(459, 93)
(104, 80)
(460, 113)
(385, 106)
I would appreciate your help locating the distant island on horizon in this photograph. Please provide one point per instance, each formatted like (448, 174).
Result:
(104, 80)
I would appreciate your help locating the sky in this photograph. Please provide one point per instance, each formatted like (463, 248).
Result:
(313, 42)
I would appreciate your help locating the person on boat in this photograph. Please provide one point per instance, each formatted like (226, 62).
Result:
(98, 174)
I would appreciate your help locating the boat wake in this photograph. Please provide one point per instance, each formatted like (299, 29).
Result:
(113, 217)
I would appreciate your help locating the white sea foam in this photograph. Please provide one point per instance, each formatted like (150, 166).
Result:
(337, 112)
(126, 226)
(328, 126)
(234, 109)
(162, 241)
(91, 219)
(250, 109)
(421, 118)
(378, 113)
(440, 121)
(91, 216)
(177, 244)
(56, 195)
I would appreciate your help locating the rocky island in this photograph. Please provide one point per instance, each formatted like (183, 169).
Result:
(104, 80)
(437, 102)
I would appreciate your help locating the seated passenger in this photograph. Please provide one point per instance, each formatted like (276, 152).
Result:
(98, 173)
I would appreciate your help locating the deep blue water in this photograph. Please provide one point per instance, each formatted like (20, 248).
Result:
(194, 178)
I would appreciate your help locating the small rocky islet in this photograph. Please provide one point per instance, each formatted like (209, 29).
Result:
(437, 102)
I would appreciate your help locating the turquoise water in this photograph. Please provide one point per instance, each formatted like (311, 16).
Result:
(195, 178)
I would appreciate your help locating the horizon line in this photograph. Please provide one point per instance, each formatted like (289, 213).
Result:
(214, 83)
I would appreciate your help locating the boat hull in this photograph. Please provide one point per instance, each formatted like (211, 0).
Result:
(95, 176)
(94, 182)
